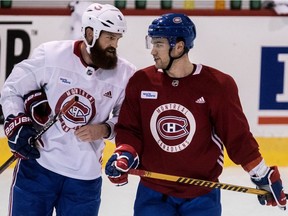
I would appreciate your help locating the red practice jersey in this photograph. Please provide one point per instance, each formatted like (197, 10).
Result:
(180, 126)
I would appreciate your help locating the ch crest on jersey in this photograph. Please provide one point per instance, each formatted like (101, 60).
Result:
(172, 126)
(78, 113)
(81, 113)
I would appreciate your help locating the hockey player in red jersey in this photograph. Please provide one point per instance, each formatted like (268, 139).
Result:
(176, 119)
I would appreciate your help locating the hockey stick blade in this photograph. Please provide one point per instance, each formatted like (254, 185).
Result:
(198, 182)
(64, 110)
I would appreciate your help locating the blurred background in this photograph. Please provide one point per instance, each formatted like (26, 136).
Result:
(156, 4)
(246, 39)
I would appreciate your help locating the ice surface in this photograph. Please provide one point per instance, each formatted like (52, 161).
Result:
(119, 200)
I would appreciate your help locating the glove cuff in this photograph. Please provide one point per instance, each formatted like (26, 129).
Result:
(260, 170)
(127, 158)
(37, 107)
(12, 123)
(126, 148)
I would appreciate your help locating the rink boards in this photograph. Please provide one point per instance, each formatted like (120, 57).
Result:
(274, 150)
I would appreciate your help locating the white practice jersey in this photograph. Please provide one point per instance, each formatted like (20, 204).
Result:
(58, 67)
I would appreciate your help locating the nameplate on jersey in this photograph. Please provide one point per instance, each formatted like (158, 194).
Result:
(149, 94)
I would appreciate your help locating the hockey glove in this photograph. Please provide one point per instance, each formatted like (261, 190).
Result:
(124, 158)
(36, 106)
(271, 181)
(20, 133)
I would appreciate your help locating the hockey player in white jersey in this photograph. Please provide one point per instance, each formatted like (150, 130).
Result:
(65, 173)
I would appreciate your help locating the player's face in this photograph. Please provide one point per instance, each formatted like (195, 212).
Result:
(103, 53)
(160, 52)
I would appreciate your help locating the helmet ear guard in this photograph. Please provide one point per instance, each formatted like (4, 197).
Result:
(173, 26)
(102, 17)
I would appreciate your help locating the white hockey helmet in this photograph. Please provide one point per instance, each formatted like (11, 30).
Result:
(102, 17)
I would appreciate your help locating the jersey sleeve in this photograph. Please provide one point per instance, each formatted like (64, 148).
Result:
(24, 78)
(231, 125)
(114, 116)
(127, 70)
(128, 128)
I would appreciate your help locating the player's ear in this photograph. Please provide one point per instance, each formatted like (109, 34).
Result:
(180, 46)
(89, 35)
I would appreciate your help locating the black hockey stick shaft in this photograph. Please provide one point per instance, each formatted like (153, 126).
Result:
(64, 110)
(198, 182)
(7, 163)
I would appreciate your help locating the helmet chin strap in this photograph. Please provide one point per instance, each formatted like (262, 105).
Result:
(88, 46)
(172, 59)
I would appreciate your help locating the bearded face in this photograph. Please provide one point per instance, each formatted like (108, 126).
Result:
(103, 58)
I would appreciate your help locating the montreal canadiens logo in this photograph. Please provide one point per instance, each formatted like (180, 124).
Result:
(81, 113)
(177, 20)
(172, 126)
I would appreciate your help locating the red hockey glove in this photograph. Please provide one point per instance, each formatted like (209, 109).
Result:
(20, 133)
(124, 158)
(271, 182)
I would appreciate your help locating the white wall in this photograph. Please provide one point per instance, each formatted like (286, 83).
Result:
(231, 44)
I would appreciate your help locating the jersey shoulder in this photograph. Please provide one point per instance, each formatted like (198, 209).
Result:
(56, 46)
(216, 76)
(148, 72)
(126, 65)
(55, 53)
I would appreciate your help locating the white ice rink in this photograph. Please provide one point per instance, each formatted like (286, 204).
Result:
(119, 200)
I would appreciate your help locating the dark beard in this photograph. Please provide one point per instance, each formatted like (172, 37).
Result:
(103, 58)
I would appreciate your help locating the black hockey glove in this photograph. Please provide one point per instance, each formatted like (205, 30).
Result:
(21, 133)
(124, 158)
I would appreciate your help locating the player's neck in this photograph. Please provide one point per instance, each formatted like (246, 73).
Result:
(180, 68)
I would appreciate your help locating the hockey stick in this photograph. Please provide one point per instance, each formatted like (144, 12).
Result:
(64, 110)
(198, 182)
